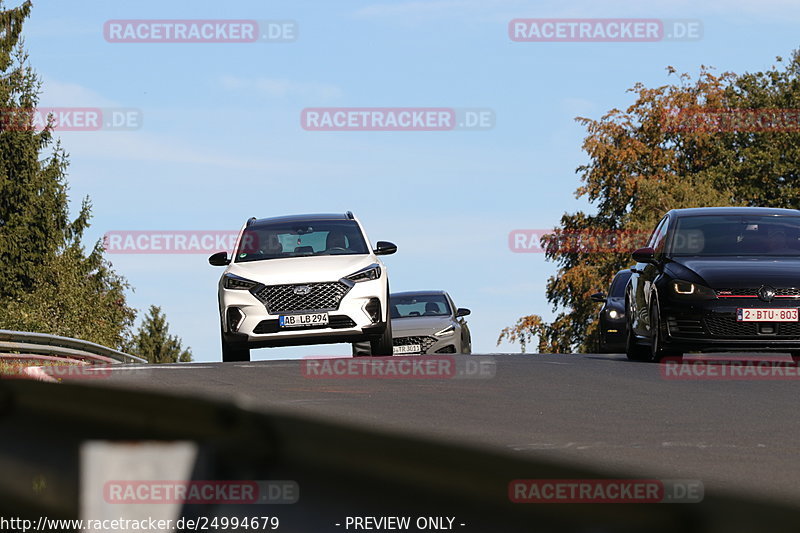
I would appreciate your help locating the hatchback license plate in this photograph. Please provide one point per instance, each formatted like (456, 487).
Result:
(407, 349)
(766, 315)
(303, 321)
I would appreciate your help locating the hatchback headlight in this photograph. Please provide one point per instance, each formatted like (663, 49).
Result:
(366, 274)
(446, 332)
(232, 281)
(687, 289)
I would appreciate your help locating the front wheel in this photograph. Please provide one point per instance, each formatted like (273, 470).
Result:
(232, 353)
(657, 351)
(383, 345)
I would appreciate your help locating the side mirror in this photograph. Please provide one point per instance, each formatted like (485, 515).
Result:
(219, 259)
(385, 248)
(644, 255)
(462, 311)
(598, 297)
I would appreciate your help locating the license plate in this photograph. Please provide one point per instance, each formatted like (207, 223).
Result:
(303, 321)
(407, 349)
(766, 315)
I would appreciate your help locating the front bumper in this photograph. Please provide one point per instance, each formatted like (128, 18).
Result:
(711, 325)
(358, 316)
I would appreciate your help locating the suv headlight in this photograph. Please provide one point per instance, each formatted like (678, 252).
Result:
(687, 289)
(366, 274)
(613, 313)
(232, 281)
(446, 332)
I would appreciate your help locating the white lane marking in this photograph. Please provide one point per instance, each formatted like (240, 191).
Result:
(144, 367)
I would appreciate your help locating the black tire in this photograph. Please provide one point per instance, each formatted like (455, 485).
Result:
(634, 351)
(657, 353)
(383, 345)
(232, 353)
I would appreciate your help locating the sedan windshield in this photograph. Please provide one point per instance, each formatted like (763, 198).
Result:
(419, 305)
(719, 235)
(299, 239)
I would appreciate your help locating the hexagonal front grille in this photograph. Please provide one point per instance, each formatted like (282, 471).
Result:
(424, 342)
(728, 326)
(311, 297)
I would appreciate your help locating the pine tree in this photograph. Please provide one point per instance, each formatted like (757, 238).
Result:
(47, 282)
(154, 343)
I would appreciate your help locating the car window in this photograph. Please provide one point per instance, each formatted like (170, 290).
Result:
(657, 239)
(717, 235)
(298, 239)
(617, 289)
(419, 305)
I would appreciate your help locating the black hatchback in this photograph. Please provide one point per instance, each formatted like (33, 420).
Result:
(613, 323)
(716, 279)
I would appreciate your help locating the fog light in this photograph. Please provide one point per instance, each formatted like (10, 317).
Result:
(235, 318)
(373, 310)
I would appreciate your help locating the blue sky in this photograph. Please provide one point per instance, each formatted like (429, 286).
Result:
(221, 139)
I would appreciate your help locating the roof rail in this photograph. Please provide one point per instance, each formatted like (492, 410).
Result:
(350, 215)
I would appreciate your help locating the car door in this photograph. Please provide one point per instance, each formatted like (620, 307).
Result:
(642, 279)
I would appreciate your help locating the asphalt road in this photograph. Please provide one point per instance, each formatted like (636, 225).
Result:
(737, 437)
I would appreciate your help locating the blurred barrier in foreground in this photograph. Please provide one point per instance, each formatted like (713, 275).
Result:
(50, 461)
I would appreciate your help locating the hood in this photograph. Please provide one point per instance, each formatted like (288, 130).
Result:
(302, 269)
(419, 325)
(738, 272)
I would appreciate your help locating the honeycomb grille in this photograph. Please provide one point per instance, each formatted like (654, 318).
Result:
(424, 342)
(320, 297)
(728, 326)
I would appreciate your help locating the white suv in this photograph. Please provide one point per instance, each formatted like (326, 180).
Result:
(304, 279)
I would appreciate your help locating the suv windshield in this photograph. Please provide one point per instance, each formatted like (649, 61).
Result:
(419, 305)
(619, 284)
(719, 235)
(299, 239)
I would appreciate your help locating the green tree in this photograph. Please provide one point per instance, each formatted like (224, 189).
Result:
(641, 165)
(154, 343)
(47, 281)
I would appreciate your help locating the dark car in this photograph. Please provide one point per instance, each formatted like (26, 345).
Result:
(613, 323)
(716, 279)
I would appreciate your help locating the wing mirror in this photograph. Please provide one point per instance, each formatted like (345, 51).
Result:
(219, 259)
(384, 248)
(462, 311)
(644, 255)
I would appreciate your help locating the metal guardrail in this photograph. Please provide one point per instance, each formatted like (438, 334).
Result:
(53, 345)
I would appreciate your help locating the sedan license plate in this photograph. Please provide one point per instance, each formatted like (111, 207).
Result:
(303, 321)
(766, 315)
(407, 349)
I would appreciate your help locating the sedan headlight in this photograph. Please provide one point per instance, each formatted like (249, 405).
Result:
(613, 313)
(366, 274)
(446, 332)
(687, 289)
(232, 281)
